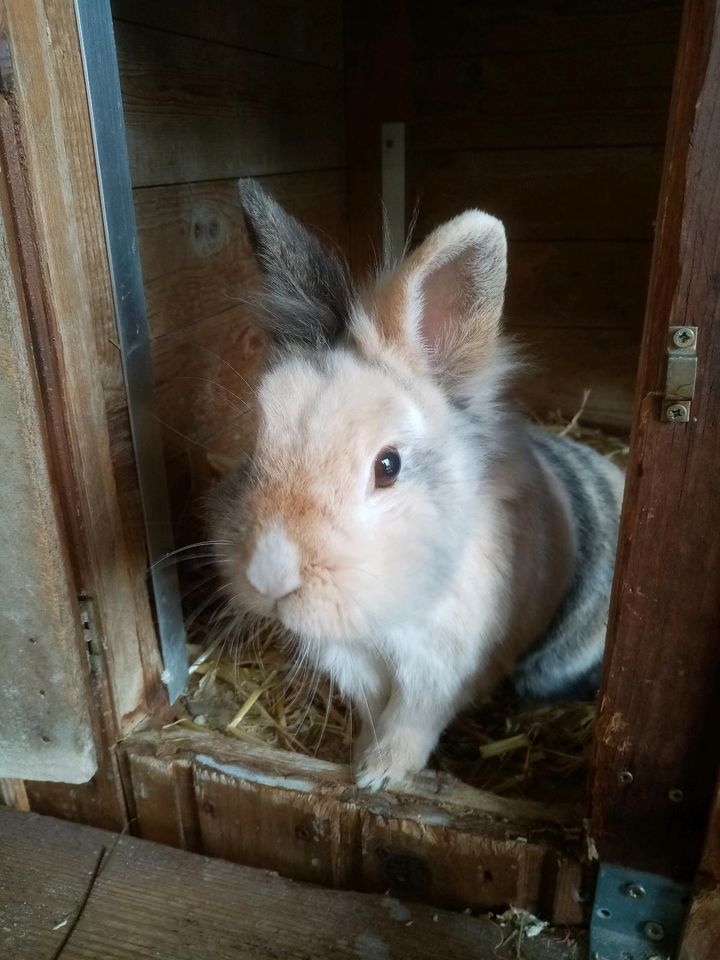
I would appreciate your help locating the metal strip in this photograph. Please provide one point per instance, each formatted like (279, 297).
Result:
(393, 190)
(97, 40)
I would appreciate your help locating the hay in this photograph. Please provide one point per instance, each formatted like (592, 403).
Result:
(252, 691)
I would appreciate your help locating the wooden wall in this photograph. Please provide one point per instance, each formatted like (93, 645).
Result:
(213, 92)
(552, 116)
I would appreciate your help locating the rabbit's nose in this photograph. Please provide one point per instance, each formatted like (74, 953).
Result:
(274, 568)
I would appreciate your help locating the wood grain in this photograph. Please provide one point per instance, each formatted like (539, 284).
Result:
(309, 30)
(151, 901)
(47, 733)
(576, 285)
(514, 25)
(660, 708)
(74, 328)
(441, 841)
(196, 110)
(616, 95)
(607, 193)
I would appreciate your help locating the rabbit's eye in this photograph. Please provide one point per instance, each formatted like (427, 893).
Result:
(387, 467)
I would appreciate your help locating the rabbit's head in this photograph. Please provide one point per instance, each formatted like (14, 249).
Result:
(376, 416)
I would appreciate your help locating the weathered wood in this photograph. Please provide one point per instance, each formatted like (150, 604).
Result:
(603, 193)
(164, 801)
(48, 163)
(442, 841)
(660, 707)
(13, 794)
(73, 323)
(127, 898)
(558, 98)
(309, 30)
(196, 259)
(46, 731)
(701, 936)
(514, 25)
(196, 110)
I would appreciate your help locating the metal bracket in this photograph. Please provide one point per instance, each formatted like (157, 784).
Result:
(636, 916)
(393, 190)
(681, 373)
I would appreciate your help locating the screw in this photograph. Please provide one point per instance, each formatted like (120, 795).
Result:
(634, 890)
(654, 931)
(684, 337)
(677, 413)
(676, 796)
(625, 777)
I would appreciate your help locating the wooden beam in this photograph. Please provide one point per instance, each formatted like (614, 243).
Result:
(440, 841)
(87, 894)
(656, 753)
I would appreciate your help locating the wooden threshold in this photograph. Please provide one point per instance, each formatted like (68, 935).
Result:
(441, 842)
(80, 893)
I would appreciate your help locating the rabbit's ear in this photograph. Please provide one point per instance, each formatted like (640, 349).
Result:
(443, 304)
(306, 297)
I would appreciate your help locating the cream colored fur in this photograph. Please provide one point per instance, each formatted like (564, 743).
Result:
(416, 597)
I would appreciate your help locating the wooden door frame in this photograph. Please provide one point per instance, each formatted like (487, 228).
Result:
(49, 171)
(656, 754)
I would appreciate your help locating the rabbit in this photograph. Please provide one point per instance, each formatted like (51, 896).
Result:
(418, 539)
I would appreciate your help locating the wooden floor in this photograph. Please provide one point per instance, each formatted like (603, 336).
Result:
(75, 893)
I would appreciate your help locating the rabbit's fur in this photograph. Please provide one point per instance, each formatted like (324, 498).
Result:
(490, 556)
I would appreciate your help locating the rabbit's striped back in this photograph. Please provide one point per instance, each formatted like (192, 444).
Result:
(567, 660)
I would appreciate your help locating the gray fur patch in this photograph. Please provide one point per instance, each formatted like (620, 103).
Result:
(566, 662)
(307, 295)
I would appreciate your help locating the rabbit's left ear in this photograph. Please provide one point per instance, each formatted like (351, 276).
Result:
(443, 304)
(306, 297)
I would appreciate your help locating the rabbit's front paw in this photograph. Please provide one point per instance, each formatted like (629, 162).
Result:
(389, 763)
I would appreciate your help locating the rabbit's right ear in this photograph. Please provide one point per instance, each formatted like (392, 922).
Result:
(307, 294)
(443, 304)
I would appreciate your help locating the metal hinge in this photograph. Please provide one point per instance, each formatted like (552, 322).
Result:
(636, 916)
(87, 621)
(681, 373)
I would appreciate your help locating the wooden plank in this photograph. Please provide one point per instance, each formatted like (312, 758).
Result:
(549, 98)
(607, 193)
(13, 794)
(564, 363)
(307, 836)
(46, 733)
(164, 801)
(660, 708)
(513, 25)
(701, 936)
(441, 842)
(129, 898)
(310, 30)
(201, 111)
(196, 260)
(573, 285)
(73, 323)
